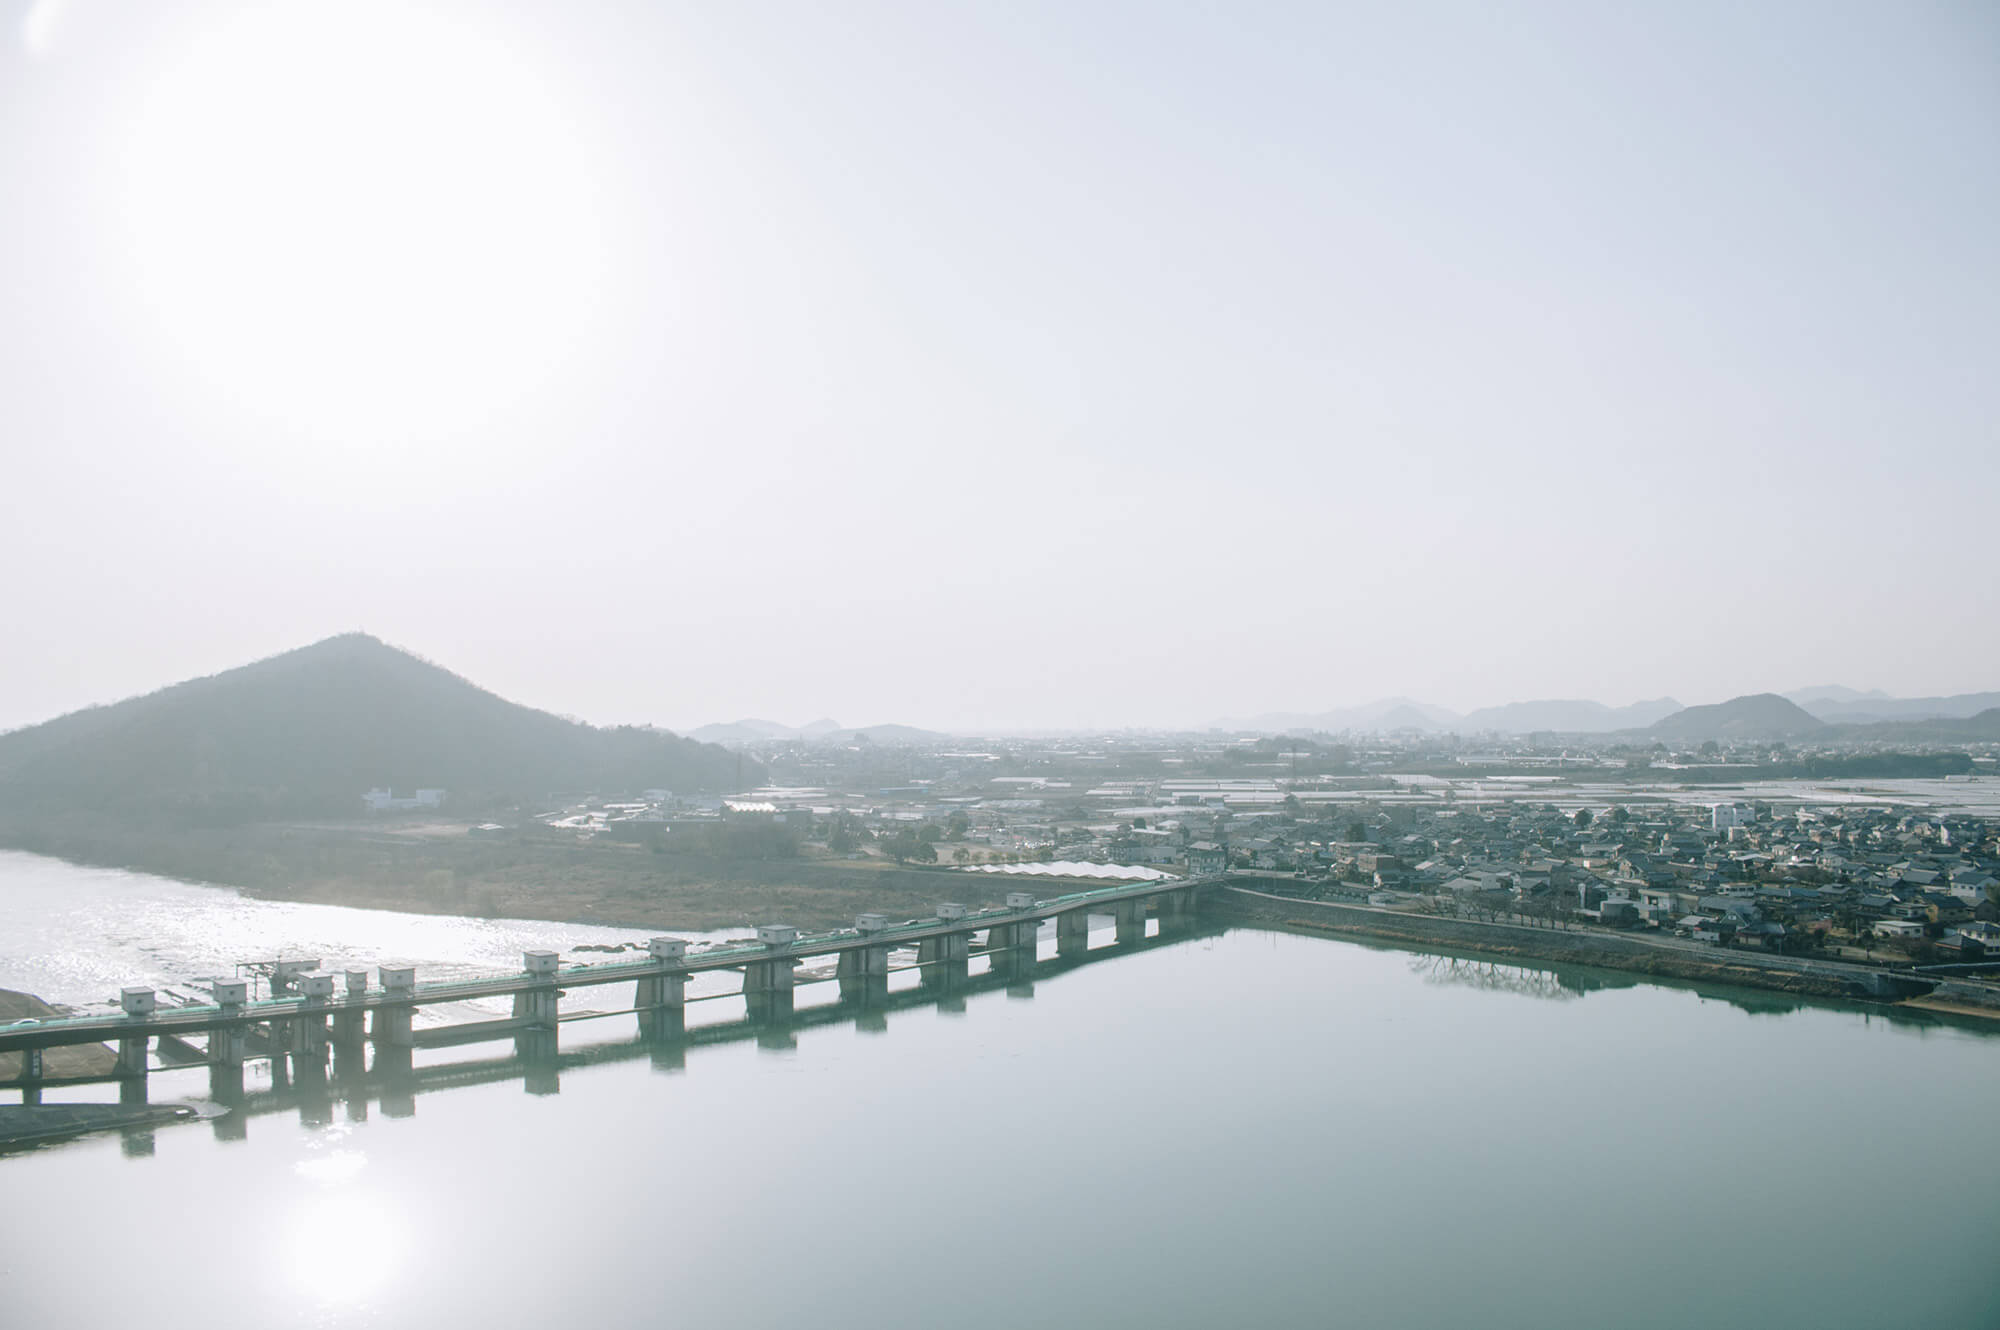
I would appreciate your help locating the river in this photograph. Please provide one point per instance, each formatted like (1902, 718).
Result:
(1241, 1127)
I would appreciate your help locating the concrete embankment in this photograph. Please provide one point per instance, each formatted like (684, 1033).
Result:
(71, 1060)
(1609, 951)
(33, 1124)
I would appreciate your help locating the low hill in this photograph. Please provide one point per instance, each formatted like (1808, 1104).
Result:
(1758, 716)
(305, 733)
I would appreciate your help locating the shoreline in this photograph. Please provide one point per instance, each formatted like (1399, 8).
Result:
(1604, 951)
(612, 884)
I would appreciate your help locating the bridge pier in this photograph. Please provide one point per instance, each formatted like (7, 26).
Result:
(1130, 918)
(767, 988)
(350, 1078)
(1072, 933)
(226, 1046)
(315, 1098)
(945, 947)
(138, 1003)
(308, 1028)
(225, 1087)
(1176, 907)
(536, 1050)
(537, 1005)
(225, 1082)
(662, 998)
(392, 1024)
(1012, 948)
(31, 1075)
(767, 984)
(350, 1026)
(945, 959)
(863, 974)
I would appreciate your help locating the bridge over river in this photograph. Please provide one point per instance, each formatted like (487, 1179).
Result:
(312, 1014)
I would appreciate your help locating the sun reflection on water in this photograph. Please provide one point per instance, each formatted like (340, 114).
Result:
(343, 1239)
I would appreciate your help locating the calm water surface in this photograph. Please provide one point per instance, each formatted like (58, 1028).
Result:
(1240, 1128)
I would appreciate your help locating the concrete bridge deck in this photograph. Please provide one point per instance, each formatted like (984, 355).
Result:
(174, 1023)
(347, 1081)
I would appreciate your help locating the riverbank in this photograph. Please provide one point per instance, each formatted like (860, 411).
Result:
(71, 1060)
(1608, 951)
(33, 1124)
(439, 868)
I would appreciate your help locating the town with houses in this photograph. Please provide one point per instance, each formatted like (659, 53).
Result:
(1713, 844)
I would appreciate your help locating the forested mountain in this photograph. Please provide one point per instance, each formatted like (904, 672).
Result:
(306, 732)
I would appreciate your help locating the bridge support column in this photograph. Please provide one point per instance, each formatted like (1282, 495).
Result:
(767, 988)
(350, 1023)
(396, 1073)
(1176, 907)
(278, 1044)
(1131, 920)
(662, 998)
(309, 1027)
(537, 1005)
(225, 1083)
(138, 1003)
(536, 1049)
(392, 1023)
(863, 974)
(1072, 933)
(31, 1075)
(226, 1045)
(944, 959)
(1011, 948)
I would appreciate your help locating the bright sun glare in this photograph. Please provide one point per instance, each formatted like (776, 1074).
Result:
(365, 223)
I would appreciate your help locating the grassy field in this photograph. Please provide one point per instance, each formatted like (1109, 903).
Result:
(438, 868)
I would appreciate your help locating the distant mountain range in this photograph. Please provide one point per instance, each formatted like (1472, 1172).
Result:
(307, 732)
(820, 731)
(1762, 715)
(1865, 708)
(1401, 713)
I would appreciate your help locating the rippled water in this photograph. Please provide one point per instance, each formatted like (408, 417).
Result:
(76, 935)
(1237, 1128)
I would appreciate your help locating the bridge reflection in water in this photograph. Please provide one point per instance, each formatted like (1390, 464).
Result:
(348, 1079)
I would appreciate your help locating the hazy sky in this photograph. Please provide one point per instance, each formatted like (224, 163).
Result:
(1001, 365)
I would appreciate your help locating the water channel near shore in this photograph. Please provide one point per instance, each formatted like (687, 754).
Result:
(1241, 1127)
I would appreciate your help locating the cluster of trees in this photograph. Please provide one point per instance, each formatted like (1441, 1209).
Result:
(1552, 909)
(906, 845)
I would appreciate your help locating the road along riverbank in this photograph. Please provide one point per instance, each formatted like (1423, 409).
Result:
(71, 1060)
(1611, 951)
